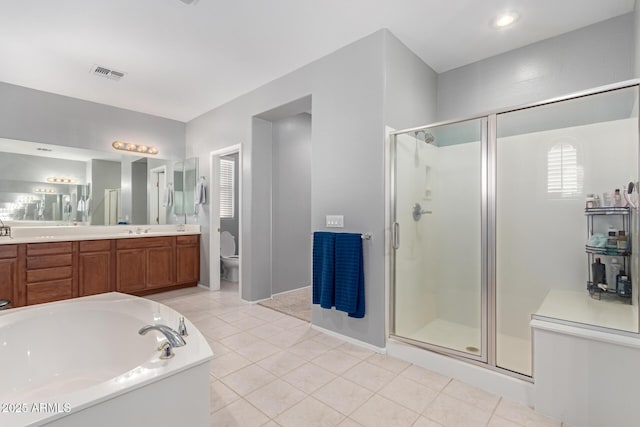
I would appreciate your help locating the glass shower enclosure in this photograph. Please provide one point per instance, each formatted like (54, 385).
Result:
(439, 214)
(489, 225)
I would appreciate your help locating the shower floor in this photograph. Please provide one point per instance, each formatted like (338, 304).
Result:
(513, 353)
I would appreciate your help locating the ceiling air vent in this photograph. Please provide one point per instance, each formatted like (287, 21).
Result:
(107, 73)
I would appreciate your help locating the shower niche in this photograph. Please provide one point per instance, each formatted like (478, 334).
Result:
(488, 230)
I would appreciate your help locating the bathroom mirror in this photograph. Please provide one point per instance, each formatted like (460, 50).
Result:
(185, 174)
(45, 184)
(190, 179)
(178, 188)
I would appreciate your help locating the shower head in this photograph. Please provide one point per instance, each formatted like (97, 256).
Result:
(426, 137)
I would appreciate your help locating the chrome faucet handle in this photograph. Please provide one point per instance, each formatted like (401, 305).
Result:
(182, 328)
(172, 336)
(167, 351)
(4, 303)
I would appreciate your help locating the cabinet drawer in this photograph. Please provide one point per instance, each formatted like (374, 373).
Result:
(187, 240)
(48, 261)
(36, 249)
(46, 274)
(95, 246)
(8, 251)
(49, 291)
(145, 242)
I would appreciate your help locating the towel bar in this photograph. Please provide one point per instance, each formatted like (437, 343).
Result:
(363, 236)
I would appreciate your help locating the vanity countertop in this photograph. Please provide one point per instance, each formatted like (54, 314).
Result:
(22, 235)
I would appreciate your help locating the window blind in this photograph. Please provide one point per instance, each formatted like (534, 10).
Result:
(227, 184)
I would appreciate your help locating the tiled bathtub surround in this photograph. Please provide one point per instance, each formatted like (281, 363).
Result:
(272, 369)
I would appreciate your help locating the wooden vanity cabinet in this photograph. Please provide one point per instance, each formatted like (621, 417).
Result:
(145, 264)
(51, 273)
(35, 273)
(96, 267)
(187, 259)
(9, 288)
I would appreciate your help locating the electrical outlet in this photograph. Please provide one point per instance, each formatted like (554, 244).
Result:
(335, 221)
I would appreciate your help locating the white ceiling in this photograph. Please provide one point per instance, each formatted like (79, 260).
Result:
(182, 61)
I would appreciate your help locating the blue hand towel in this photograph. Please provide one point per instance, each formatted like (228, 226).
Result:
(349, 274)
(323, 269)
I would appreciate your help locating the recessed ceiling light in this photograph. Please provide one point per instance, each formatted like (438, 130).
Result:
(505, 19)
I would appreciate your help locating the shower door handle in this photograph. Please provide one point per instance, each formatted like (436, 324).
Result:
(396, 235)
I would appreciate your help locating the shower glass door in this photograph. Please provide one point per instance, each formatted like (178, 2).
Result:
(439, 221)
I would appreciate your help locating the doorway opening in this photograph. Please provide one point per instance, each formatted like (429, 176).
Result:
(157, 196)
(226, 219)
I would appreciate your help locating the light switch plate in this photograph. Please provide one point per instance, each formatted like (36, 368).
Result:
(335, 221)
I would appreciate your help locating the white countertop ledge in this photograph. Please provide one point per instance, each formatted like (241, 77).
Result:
(613, 337)
(21, 235)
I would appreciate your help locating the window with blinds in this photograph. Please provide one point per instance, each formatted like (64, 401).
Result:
(227, 207)
(564, 176)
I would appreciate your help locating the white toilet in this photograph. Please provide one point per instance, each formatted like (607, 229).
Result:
(228, 257)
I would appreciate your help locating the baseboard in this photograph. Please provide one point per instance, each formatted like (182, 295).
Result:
(200, 285)
(289, 291)
(489, 380)
(350, 340)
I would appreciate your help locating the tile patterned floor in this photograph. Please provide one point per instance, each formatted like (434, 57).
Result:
(271, 369)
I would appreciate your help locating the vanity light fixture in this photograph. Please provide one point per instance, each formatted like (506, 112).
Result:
(44, 190)
(58, 180)
(505, 19)
(134, 148)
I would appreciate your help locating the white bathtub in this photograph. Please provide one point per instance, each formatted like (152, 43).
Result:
(82, 362)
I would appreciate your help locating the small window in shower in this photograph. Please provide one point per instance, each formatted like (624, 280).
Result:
(227, 170)
(564, 176)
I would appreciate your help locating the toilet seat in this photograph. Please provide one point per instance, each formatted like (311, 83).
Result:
(227, 245)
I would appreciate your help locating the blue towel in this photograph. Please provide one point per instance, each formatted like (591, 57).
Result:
(323, 269)
(349, 274)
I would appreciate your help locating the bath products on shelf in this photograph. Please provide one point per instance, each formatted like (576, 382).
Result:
(606, 200)
(623, 285)
(617, 198)
(590, 203)
(593, 201)
(613, 271)
(623, 241)
(609, 256)
(612, 240)
(598, 273)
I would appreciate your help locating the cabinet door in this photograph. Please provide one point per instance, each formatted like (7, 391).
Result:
(131, 270)
(188, 264)
(8, 277)
(95, 273)
(160, 267)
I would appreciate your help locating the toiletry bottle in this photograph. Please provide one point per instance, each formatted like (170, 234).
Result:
(589, 204)
(612, 241)
(598, 273)
(596, 201)
(623, 285)
(617, 198)
(606, 200)
(623, 241)
(613, 271)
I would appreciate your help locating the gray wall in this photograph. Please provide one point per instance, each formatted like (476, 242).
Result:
(32, 115)
(291, 204)
(232, 224)
(592, 56)
(105, 174)
(138, 192)
(347, 90)
(21, 167)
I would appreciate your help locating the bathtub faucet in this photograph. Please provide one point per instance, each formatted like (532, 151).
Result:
(173, 339)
